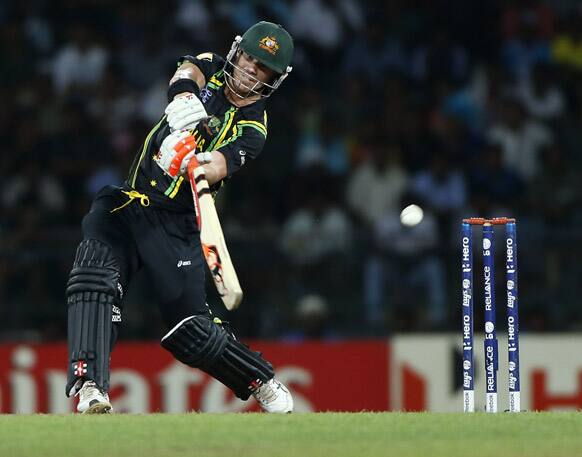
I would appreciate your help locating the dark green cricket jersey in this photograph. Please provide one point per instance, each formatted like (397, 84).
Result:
(238, 133)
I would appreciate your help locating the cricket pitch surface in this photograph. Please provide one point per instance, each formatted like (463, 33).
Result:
(297, 435)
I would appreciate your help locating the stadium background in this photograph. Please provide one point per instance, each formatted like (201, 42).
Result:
(464, 108)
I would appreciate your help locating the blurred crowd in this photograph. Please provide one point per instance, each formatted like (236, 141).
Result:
(463, 108)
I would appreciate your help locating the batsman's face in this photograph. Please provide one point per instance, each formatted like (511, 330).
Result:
(250, 74)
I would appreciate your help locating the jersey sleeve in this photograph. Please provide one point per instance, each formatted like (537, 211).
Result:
(245, 143)
(208, 63)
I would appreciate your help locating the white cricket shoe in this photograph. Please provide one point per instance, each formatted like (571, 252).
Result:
(92, 400)
(274, 397)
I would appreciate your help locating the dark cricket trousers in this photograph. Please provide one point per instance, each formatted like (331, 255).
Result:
(165, 243)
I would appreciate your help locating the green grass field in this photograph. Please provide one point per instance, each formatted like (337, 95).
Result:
(297, 435)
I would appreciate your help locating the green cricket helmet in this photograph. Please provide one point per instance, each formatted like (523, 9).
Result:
(272, 46)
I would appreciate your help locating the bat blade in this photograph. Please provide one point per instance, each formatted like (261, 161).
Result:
(212, 239)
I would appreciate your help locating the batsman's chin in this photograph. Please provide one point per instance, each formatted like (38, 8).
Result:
(242, 92)
(245, 87)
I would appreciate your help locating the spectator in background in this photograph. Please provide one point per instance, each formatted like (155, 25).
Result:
(567, 45)
(403, 271)
(37, 27)
(555, 195)
(521, 139)
(325, 146)
(322, 25)
(309, 110)
(74, 146)
(153, 101)
(441, 187)
(416, 138)
(194, 19)
(113, 101)
(316, 231)
(315, 240)
(453, 136)
(377, 184)
(489, 85)
(105, 172)
(37, 99)
(37, 187)
(494, 187)
(311, 319)
(556, 190)
(439, 59)
(372, 54)
(142, 62)
(354, 96)
(526, 48)
(396, 105)
(568, 128)
(30, 180)
(531, 11)
(541, 97)
(246, 13)
(80, 63)
(15, 51)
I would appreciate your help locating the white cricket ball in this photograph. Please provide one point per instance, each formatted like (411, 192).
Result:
(411, 215)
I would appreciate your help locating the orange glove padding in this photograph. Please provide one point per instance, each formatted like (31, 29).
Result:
(176, 151)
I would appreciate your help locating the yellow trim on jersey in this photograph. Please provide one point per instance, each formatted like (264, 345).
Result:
(145, 147)
(215, 81)
(257, 125)
(170, 188)
(225, 130)
(238, 130)
(177, 187)
(205, 56)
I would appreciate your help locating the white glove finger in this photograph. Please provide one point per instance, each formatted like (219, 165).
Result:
(168, 143)
(188, 123)
(179, 120)
(176, 104)
(185, 111)
(179, 134)
(172, 139)
(177, 115)
(183, 103)
(174, 115)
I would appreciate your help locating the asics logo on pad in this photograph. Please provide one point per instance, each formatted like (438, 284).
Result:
(184, 263)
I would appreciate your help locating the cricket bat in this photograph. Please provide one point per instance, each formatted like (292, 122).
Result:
(212, 239)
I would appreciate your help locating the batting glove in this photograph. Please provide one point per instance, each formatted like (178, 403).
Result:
(175, 153)
(185, 112)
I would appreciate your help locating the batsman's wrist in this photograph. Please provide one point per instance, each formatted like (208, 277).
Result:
(181, 86)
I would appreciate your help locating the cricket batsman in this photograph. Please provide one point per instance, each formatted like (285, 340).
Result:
(216, 115)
